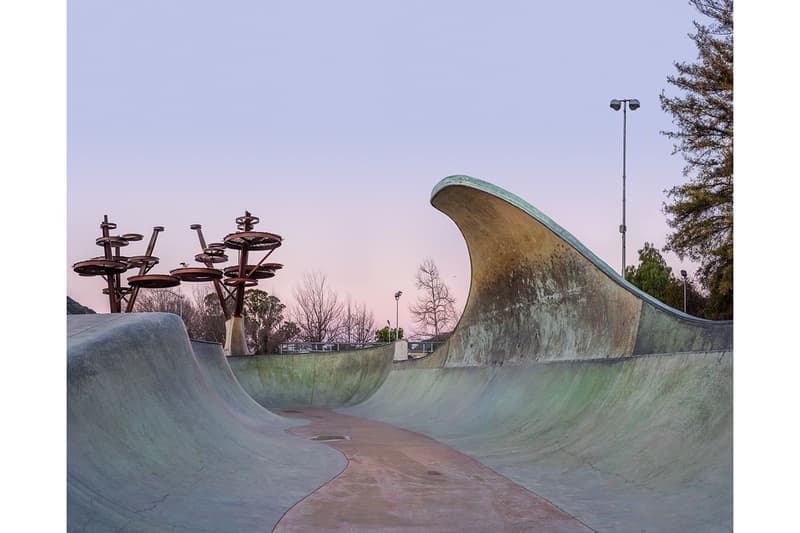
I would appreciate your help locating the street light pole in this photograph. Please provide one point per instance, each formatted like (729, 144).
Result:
(397, 296)
(683, 275)
(180, 292)
(615, 105)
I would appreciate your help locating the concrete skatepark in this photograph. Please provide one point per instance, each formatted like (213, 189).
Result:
(565, 400)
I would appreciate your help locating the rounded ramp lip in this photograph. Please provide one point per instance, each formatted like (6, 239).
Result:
(461, 180)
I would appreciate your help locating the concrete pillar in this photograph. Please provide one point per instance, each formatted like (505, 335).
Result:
(400, 350)
(235, 341)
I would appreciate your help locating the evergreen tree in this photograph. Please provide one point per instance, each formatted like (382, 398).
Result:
(701, 212)
(387, 334)
(74, 308)
(263, 315)
(654, 277)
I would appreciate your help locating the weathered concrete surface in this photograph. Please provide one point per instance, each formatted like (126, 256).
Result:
(400, 350)
(560, 375)
(642, 443)
(547, 380)
(537, 294)
(218, 375)
(235, 339)
(155, 444)
(397, 480)
(332, 379)
(659, 333)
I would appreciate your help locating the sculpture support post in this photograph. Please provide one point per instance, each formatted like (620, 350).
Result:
(235, 340)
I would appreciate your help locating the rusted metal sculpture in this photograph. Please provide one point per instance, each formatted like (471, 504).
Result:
(112, 264)
(230, 283)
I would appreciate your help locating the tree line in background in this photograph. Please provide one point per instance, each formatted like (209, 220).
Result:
(654, 277)
(701, 211)
(319, 314)
(700, 215)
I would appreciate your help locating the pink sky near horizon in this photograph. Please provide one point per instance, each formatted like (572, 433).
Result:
(334, 124)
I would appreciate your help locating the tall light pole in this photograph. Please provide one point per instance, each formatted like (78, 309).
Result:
(397, 296)
(683, 275)
(633, 103)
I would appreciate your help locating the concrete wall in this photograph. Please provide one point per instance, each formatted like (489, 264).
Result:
(552, 378)
(537, 294)
(544, 380)
(636, 444)
(159, 439)
(331, 379)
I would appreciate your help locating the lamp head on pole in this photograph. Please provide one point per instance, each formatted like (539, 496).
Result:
(397, 295)
(633, 104)
(683, 274)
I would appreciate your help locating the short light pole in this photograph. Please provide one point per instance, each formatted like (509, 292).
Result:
(388, 331)
(397, 296)
(683, 275)
(633, 103)
(180, 291)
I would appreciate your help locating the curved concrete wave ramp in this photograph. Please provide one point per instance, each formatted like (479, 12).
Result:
(570, 381)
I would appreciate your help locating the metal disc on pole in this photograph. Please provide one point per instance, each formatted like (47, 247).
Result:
(111, 265)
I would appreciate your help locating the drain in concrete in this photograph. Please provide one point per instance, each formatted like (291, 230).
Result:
(433, 473)
(330, 437)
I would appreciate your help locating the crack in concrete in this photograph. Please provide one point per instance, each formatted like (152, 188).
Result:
(153, 504)
(625, 480)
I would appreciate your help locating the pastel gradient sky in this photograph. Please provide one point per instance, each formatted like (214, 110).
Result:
(340, 120)
(332, 121)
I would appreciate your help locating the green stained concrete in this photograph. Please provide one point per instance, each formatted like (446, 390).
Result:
(331, 379)
(545, 378)
(560, 375)
(643, 443)
(538, 294)
(161, 440)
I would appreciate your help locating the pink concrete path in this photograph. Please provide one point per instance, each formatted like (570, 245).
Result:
(401, 481)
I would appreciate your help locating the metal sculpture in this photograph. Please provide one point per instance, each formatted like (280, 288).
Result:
(230, 283)
(112, 264)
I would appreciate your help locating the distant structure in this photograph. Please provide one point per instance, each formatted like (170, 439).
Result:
(112, 264)
(230, 283)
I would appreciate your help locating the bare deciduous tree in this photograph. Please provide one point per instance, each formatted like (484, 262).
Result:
(435, 307)
(208, 322)
(317, 312)
(166, 301)
(357, 324)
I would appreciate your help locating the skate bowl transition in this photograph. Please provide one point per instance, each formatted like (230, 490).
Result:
(560, 377)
